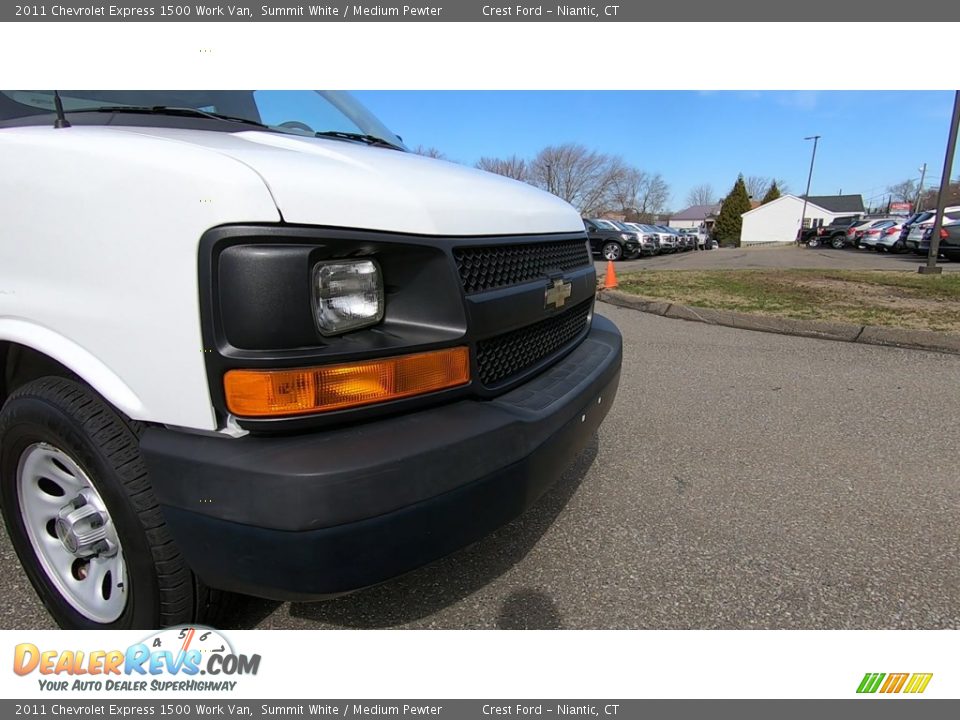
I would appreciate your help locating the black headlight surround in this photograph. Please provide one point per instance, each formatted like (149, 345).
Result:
(427, 308)
(257, 308)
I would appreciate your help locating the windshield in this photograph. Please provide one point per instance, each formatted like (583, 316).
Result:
(604, 224)
(298, 112)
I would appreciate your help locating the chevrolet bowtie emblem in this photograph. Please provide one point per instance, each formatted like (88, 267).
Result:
(557, 293)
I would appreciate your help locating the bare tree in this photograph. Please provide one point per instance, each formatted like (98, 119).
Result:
(511, 167)
(757, 186)
(905, 191)
(429, 152)
(702, 195)
(639, 195)
(929, 199)
(591, 181)
(626, 189)
(653, 197)
(584, 178)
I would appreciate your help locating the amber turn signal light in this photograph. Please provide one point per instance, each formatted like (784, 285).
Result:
(268, 393)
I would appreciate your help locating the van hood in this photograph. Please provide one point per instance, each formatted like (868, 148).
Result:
(320, 181)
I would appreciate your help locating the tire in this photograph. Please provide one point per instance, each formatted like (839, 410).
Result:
(61, 442)
(813, 242)
(837, 243)
(612, 251)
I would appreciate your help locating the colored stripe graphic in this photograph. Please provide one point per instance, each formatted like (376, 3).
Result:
(918, 683)
(894, 682)
(870, 682)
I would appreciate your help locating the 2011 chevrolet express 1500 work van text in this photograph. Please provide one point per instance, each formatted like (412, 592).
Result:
(250, 343)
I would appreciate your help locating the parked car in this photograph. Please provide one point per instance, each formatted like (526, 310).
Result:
(679, 241)
(855, 232)
(697, 234)
(925, 222)
(649, 245)
(889, 238)
(610, 242)
(871, 236)
(833, 234)
(949, 240)
(259, 355)
(667, 239)
(907, 226)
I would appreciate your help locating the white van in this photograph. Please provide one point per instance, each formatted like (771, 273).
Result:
(250, 343)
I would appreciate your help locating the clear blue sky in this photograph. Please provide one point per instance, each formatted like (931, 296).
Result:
(871, 139)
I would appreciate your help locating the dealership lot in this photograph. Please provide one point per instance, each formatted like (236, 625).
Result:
(742, 480)
(777, 256)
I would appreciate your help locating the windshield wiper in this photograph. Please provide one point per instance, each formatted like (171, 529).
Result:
(196, 112)
(359, 137)
(168, 110)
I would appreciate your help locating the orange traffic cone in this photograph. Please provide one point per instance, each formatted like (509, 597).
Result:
(610, 278)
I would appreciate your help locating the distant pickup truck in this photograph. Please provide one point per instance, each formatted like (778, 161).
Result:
(697, 234)
(834, 234)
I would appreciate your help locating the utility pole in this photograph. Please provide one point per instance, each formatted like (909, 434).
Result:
(803, 213)
(931, 268)
(923, 176)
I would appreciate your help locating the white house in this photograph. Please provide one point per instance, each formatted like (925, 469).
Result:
(695, 216)
(779, 220)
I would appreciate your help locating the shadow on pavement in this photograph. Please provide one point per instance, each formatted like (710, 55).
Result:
(529, 610)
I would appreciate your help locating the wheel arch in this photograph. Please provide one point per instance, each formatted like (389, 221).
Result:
(29, 351)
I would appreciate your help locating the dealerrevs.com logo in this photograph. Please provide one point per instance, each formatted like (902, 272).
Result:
(892, 683)
(173, 659)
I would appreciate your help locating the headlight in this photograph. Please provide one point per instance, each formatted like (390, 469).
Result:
(348, 294)
(625, 236)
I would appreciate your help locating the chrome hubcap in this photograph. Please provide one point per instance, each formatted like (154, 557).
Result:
(72, 533)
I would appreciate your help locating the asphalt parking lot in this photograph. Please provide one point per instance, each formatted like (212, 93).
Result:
(777, 256)
(741, 480)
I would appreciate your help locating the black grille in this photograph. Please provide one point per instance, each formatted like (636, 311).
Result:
(493, 266)
(507, 355)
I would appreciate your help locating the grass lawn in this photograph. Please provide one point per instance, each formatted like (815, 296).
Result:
(862, 297)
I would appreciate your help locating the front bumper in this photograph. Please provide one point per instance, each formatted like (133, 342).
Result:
(315, 515)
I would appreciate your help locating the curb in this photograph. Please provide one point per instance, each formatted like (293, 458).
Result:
(845, 332)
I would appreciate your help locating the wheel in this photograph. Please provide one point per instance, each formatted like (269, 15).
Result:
(837, 243)
(83, 518)
(813, 242)
(612, 251)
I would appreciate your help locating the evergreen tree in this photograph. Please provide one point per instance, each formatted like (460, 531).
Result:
(772, 194)
(729, 220)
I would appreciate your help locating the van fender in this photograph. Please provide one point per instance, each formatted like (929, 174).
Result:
(75, 358)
